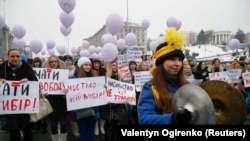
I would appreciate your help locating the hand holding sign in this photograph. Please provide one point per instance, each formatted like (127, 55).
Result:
(23, 80)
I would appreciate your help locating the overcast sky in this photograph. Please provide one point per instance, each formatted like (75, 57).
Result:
(41, 20)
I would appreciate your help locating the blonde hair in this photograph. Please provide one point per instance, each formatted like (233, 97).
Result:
(109, 72)
(60, 63)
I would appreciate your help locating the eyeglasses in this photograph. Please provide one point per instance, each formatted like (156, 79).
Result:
(53, 62)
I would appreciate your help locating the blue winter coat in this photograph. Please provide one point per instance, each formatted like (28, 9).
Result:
(147, 111)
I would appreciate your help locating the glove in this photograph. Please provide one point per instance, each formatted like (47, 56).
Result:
(182, 116)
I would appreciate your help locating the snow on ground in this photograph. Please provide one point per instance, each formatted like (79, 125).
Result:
(207, 51)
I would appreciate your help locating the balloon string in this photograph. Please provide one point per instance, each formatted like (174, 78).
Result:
(68, 46)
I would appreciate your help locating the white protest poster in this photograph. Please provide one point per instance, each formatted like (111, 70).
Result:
(246, 79)
(140, 78)
(134, 55)
(51, 80)
(234, 75)
(19, 98)
(85, 92)
(120, 92)
(222, 76)
(123, 66)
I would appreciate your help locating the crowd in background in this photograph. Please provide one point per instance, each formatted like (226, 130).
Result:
(102, 123)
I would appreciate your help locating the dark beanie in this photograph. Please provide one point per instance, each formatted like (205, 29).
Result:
(175, 53)
(37, 59)
(67, 57)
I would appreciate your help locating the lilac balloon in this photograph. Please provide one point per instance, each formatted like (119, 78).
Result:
(51, 52)
(130, 39)
(61, 49)
(98, 49)
(108, 38)
(19, 43)
(121, 44)
(99, 56)
(27, 50)
(109, 52)
(18, 31)
(67, 5)
(67, 19)
(65, 31)
(50, 44)
(73, 50)
(84, 53)
(173, 22)
(178, 25)
(94, 56)
(2, 22)
(114, 23)
(43, 52)
(233, 44)
(153, 45)
(85, 44)
(36, 46)
(92, 49)
(145, 24)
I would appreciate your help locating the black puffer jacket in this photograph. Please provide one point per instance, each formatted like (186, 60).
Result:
(16, 121)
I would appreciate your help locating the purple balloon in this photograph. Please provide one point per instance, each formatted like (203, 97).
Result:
(67, 5)
(233, 44)
(84, 53)
(61, 49)
(19, 43)
(73, 50)
(50, 44)
(173, 22)
(65, 31)
(145, 24)
(92, 49)
(27, 50)
(85, 44)
(67, 19)
(121, 43)
(36, 46)
(51, 52)
(43, 52)
(114, 23)
(153, 45)
(94, 56)
(18, 31)
(178, 25)
(109, 52)
(2, 22)
(130, 39)
(108, 38)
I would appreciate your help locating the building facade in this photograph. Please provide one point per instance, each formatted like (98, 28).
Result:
(6, 39)
(220, 37)
(141, 36)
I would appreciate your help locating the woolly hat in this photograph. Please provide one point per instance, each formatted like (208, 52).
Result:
(172, 46)
(82, 60)
(37, 59)
(65, 57)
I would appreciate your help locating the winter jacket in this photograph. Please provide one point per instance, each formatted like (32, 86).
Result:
(147, 112)
(16, 121)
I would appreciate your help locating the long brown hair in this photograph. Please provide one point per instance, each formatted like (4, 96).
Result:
(81, 73)
(163, 103)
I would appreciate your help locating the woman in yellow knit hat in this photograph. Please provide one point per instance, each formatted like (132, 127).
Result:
(154, 103)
